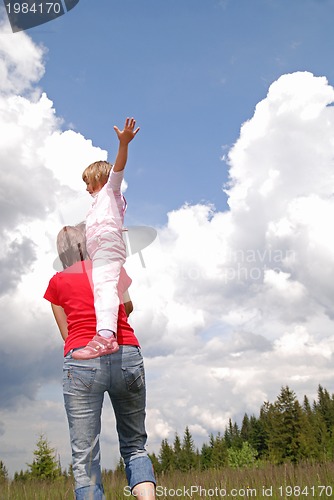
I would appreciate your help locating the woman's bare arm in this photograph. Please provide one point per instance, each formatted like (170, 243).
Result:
(61, 320)
(127, 303)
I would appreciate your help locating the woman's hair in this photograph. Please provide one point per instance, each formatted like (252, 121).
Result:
(71, 244)
(97, 173)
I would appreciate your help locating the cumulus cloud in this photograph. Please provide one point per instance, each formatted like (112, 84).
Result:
(16, 262)
(27, 188)
(233, 305)
(40, 190)
(41, 164)
(21, 63)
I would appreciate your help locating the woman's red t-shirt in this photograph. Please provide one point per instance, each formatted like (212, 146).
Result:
(71, 289)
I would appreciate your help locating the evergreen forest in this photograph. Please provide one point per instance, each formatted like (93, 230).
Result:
(285, 431)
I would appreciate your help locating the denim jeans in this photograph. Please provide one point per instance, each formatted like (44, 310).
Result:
(122, 376)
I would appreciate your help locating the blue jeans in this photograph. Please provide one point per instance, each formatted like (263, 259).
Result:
(84, 383)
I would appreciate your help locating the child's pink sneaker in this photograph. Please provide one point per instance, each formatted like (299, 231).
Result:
(98, 346)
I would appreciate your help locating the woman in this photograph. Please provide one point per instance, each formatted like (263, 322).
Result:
(85, 381)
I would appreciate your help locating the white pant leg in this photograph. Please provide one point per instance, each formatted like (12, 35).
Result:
(108, 255)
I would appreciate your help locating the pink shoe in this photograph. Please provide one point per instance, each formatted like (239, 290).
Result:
(98, 346)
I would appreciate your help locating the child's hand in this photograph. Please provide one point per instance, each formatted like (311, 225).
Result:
(127, 134)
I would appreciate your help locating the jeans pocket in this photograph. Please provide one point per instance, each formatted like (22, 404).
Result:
(134, 377)
(78, 379)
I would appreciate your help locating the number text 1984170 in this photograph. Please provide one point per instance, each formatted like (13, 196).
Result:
(318, 491)
(34, 8)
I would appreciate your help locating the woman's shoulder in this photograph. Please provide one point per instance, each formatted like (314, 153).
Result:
(72, 273)
(80, 267)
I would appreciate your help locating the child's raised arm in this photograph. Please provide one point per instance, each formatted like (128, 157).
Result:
(124, 136)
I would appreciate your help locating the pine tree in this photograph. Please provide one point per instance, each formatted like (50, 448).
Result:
(245, 428)
(21, 476)
(284, 422)
(155, 463)
(177, 448)
(325, 406)
(188, 452)
(3, 472)
(258, 436)
(166, 456)
(45, 465)
(120, 466)
(228, 434)
(219, 452)
(314, 433)
(323, 417)
(232, 435)
(206, 456)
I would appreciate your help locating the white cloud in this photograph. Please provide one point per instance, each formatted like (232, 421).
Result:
(256, 283)
(40, 166)
(21, 63)
(67, 154)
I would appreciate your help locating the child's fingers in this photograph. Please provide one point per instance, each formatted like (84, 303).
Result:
(130, 123)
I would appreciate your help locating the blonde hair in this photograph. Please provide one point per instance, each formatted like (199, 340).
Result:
(97, 173)
(71, 244)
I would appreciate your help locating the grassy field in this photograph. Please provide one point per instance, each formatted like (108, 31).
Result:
(276, 482)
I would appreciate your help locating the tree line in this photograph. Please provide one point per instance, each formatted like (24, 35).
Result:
(285, 431)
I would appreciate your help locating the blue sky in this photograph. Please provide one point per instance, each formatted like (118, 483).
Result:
(236, 297)
(191, 72)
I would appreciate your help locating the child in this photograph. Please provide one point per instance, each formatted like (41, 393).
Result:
(105, 243)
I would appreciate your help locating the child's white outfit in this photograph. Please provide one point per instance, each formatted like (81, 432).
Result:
(106, 248)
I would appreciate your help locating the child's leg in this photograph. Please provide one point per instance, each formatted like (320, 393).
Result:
(106, 300)
(108, 259)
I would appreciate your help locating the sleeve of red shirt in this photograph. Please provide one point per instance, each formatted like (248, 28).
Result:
(51, 293)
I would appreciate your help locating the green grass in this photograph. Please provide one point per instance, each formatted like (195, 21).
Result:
(304, 481)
